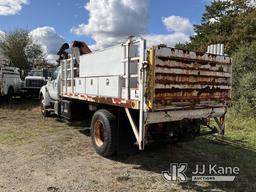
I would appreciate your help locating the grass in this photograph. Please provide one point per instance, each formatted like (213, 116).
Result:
(19, 126)
(237, 148)
(241, 129)
(123, 178)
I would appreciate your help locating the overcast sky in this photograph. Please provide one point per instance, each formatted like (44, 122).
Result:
(101, 23)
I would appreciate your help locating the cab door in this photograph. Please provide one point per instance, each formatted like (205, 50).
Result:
(53, 86)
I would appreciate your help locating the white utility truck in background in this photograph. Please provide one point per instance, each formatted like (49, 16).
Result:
(159, 92)
(35, 80)
(10, 81)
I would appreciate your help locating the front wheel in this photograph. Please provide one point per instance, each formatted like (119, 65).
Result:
(44, 111)
(103, 133)
(9, 95)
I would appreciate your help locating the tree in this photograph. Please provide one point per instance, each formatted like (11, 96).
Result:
(245, 28)
(35, 55)
(216, 26)
(232, 23)
(244, 74)
(19, 49)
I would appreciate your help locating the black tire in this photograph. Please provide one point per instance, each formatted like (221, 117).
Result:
(9, 95)
(103, 133)
(156, 135)
(44, 112)
(196, 127)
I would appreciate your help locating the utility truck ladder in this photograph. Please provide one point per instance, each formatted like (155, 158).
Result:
(141, 79)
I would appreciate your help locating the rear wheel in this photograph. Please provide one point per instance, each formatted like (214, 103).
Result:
(103, 133)
(44, 111)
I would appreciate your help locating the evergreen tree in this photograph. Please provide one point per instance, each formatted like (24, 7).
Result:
(232, 23)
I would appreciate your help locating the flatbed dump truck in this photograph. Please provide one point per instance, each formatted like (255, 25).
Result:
(159, 91)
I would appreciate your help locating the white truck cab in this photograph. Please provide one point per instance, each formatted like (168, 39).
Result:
(35, 80)
(49, 93)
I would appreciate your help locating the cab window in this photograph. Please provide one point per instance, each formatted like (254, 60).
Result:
(55, 74)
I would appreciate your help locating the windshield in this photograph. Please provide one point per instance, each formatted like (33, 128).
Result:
(55, 74)
(37, 73)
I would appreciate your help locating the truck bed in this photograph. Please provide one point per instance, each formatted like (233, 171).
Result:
(174, 80)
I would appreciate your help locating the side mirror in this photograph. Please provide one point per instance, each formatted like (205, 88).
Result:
(45, 73)
(22, 74)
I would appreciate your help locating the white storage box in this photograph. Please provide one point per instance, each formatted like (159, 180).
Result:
(111, 86)
(135, 94)
(80, 84)
(91, 86)
(103, 63)
(107, 62)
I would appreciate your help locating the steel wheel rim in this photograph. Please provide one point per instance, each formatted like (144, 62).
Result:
(99, 133)
(42, 106)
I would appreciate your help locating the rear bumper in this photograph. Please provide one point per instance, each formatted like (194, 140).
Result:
(169, 116)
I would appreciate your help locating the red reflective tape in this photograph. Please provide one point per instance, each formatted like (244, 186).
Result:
(116, 100)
